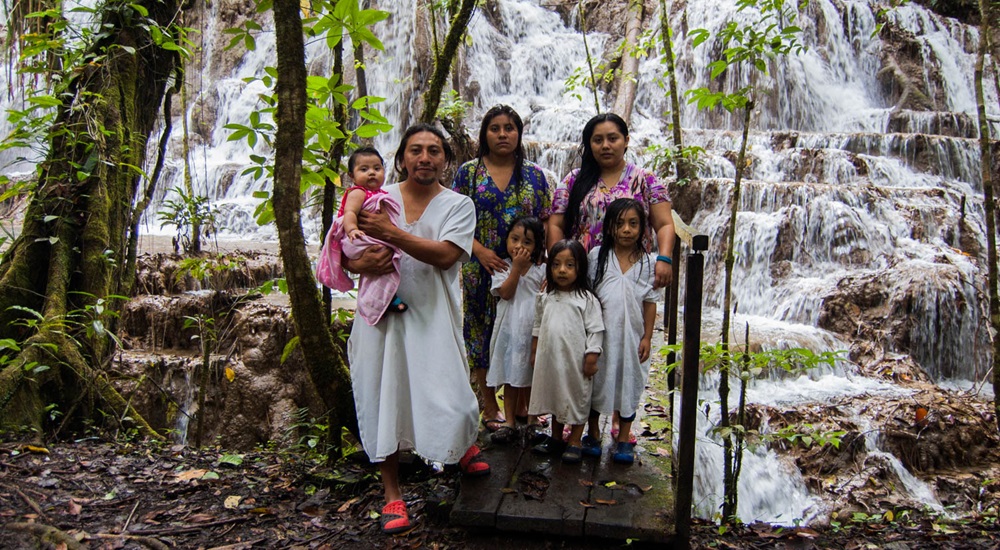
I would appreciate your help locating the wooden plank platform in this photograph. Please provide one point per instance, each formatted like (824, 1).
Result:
(596, 498)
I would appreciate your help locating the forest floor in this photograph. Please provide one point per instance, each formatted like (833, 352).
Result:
(119, 494)
(110, 491)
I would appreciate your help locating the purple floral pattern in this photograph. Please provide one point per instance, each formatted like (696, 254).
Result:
(635, 183)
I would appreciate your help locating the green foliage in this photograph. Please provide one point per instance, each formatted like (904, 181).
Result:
(272, 286)
(207, 269)
(339, 317)
(793, 361)
(806, 434)
(310, 435)
(48, 87)
(453, 107)
(331, 21)
(752, 45)
(185, 214)
(289, 349)
(663, 158)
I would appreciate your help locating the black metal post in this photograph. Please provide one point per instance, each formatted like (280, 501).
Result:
(689, 391)
(670, 319)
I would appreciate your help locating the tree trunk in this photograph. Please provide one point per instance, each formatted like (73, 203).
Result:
(683, 168)
(71, 254)
(325, 363)
(987, 177)
(444, 60)
(628, 78)
(729, 477)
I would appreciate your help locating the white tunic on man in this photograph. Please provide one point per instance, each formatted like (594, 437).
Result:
(510, 345)
(409, 371)
(621, 378)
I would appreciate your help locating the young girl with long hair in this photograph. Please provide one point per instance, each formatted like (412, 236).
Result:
(622, 274)
(510, 347)
(568, 336)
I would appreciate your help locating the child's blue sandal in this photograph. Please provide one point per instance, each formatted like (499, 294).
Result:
(624, 453)
(591, 446)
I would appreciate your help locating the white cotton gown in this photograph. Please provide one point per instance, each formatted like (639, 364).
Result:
(409, 371)
(621, 378)
(568, 326)
(510, 345)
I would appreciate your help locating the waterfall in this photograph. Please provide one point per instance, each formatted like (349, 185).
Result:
(845, 188)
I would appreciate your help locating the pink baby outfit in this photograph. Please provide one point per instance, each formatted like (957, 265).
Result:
(375, 292)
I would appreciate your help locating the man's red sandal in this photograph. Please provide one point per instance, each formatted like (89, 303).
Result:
(394, 518)
(472, 464)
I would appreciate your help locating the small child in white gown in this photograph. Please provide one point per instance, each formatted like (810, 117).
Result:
(622, 274)
(510, 345)
(567, 338)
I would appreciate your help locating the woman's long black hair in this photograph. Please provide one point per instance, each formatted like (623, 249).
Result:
(582, 283)
(612, 218)
(484, 148)
(589, 173)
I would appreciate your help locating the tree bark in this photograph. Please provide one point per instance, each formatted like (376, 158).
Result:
(683, 168)
(444, 60)
(325, 363)
(71, 254)
(986, 174)
(629, 75)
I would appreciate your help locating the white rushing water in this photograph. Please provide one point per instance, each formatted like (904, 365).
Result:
(842, 186)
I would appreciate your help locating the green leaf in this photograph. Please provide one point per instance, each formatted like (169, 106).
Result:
(289, 348)
(44, 101)
(8, 343)
(231, 459)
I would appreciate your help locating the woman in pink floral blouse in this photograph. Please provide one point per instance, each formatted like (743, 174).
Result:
(581, 199)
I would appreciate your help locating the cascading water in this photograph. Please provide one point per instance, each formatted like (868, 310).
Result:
(843, 186)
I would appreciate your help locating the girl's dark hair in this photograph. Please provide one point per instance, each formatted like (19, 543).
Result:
(484, 148)
(449, 155)
(537, 228)
(612, 218)
(589, 173)
(582, 283)
(359, 152)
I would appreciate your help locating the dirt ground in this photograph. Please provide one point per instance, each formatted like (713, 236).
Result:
(100, 494)
(108, 491)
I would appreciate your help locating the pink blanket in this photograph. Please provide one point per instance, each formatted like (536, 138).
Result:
(375, 292)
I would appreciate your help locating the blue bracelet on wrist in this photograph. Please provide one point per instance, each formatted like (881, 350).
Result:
(662, 258)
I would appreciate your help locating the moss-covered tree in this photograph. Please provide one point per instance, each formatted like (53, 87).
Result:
(59, 278)
(444, 59)
(326, 364)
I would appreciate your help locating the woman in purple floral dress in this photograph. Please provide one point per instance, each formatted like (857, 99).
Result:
(504, 186)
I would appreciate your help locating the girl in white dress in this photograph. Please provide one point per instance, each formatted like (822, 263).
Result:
(510, 346)
(567, 338)
(623, 275)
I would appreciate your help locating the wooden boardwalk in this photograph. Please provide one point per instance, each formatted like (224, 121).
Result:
(596, 498)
